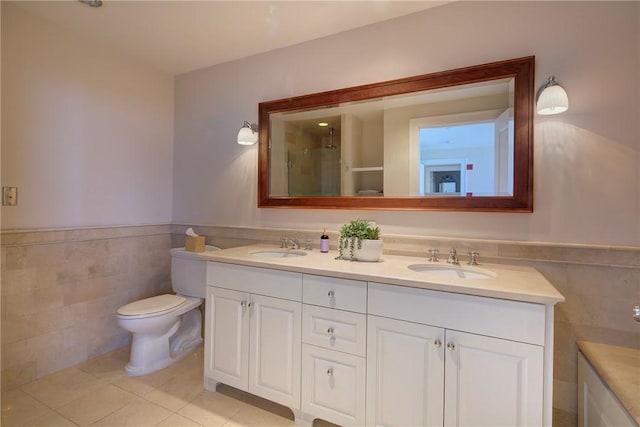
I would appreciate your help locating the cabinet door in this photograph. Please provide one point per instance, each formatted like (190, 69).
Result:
(274, 364)
(333, 387)
(405, 373)
(492, 382)
(227, 337)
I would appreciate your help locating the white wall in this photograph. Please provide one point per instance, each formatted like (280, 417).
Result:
(87, 135)
(586, 161)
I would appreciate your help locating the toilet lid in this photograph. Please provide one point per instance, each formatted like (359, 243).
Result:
(151, 305)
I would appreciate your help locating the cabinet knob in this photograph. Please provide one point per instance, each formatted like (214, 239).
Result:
(243, 304)
(250, 305)
(330, 331)
(330, 294)
(330, 372)
(451, 346)
(437, 343)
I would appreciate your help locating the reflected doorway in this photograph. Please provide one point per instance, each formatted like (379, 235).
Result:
(443, 177)
(463, 155)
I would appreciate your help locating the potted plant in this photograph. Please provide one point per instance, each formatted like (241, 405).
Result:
(360, 241)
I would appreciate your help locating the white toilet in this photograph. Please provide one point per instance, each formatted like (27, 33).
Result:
(167, 327)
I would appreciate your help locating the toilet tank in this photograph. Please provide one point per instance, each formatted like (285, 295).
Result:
(189, 272)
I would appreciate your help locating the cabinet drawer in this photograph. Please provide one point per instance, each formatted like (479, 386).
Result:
(334, 329)
(334, 385)
(255, 280)
(512, 320)
(330, 292)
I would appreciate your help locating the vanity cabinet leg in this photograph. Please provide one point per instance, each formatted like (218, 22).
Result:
(302, 418)
(210, 384)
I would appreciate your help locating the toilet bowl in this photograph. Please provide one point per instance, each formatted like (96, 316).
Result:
(166, 328)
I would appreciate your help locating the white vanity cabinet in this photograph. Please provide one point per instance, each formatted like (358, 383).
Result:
(252, 340)
(358, 353)
(422, 370)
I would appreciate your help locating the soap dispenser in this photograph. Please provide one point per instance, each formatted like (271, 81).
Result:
(324, 242)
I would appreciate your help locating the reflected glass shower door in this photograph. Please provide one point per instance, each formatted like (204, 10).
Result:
(314, 172)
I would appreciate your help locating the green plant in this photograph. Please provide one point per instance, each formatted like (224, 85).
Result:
(353, 233)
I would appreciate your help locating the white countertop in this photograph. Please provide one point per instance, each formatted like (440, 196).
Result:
(515, 283)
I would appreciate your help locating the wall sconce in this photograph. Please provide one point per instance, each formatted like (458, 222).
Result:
(551, 98)
(248, 134)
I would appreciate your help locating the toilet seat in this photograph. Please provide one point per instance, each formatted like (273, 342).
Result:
(151, 305)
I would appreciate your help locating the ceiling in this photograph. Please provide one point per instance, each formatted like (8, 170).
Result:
(180, 36)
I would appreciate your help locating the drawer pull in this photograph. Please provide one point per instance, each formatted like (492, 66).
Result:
(451, 346)
(330, 294)
(330, 331)
(437, 343)
(330, 372)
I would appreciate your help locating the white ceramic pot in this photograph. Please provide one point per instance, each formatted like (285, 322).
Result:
(371, 251)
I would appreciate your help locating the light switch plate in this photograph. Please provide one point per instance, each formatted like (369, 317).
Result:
(9, 196)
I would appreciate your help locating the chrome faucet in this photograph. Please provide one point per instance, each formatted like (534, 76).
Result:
(294, 243)
(453, 257)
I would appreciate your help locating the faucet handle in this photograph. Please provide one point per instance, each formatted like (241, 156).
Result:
(283, 243)
(307, 245)
(433, 255)
(473, 258)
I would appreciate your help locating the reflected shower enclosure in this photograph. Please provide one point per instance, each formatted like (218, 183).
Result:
(313, 159)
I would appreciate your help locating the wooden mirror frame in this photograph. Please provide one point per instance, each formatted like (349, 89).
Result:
(522, 69)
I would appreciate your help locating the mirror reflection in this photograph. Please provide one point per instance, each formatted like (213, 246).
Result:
(451, 142)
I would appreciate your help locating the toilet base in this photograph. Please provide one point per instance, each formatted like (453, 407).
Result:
(150, 353)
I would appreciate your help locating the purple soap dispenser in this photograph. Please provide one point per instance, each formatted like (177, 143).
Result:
(324, 242)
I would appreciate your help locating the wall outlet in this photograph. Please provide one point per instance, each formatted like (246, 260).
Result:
(9, 196)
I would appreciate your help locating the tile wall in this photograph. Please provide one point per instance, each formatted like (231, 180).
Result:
(60, 290)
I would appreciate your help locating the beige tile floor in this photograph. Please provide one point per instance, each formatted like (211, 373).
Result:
(99, 393)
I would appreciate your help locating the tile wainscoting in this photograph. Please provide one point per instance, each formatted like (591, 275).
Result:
(601, 285)
(61, 288)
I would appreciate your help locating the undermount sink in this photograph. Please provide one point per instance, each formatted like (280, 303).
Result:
(452, 271)
(275, 253)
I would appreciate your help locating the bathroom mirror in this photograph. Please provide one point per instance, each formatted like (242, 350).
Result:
(458, 140)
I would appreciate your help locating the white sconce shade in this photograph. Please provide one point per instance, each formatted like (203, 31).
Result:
(552, 98)
(248, 134)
